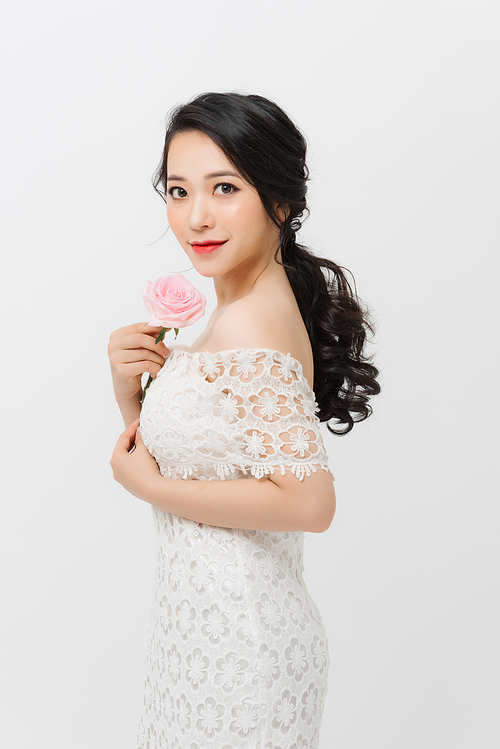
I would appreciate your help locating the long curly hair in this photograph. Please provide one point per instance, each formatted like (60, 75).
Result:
(269, 151)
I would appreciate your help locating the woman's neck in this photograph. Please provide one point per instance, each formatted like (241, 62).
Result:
(232, 287)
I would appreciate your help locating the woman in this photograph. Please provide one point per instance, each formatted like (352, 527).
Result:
(238, 654)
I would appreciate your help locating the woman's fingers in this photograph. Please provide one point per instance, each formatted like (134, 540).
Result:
(132, 351)
(129, 370)
(138, 349)
(137, 341)
(126, 441)
(124, 446)
(133, 355)
(141, 340)
(138, 327)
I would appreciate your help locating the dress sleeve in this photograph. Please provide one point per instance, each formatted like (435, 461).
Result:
(270, 412)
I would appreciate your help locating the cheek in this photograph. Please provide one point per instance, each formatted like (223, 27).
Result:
(248, 217)
(174, 219)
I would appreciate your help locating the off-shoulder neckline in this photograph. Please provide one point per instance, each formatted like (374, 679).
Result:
(297, 365)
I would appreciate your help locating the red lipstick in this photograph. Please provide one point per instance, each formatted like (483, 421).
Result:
(203, 248)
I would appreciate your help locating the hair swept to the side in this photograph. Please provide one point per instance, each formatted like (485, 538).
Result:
(269, 151)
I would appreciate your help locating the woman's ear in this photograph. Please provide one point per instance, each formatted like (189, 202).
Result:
(281, 212)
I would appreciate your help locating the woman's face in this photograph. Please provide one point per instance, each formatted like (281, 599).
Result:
(209, 202)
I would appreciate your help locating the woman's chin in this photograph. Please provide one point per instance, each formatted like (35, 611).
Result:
(206, 267)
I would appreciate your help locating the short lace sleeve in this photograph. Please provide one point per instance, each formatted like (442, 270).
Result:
(270, 411)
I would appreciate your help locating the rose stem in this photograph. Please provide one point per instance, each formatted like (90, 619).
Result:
(161, 336)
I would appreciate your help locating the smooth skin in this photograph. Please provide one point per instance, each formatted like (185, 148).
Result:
(256, 308)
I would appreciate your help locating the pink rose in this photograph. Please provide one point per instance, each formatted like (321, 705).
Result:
(173, 302)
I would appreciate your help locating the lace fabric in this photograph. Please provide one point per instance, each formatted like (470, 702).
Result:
(237, 653)
(246, 411)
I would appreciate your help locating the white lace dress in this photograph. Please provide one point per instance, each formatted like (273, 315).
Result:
(237, 652)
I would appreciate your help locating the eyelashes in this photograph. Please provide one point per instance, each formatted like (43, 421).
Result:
(234, 189)
(226, 184)
(171, 191)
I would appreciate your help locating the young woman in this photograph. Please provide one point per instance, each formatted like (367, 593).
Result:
(229, 454)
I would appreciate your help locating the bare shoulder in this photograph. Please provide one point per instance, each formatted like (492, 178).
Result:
(264, 321)
(255, 321)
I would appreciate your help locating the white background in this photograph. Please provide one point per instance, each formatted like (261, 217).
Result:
(399, 101)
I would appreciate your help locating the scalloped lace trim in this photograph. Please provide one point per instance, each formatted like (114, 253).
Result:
(257, 470)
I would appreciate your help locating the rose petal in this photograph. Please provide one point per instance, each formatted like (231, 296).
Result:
(173, 301)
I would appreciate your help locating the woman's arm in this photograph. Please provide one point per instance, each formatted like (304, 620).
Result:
(272, 503)
(130, 408)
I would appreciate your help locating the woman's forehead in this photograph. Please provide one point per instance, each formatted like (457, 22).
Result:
(197, 153)
(184, 144)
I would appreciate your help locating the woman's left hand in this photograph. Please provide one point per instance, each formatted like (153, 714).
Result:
(133, 465)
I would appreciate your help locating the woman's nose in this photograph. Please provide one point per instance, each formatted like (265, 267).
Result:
(201, 216)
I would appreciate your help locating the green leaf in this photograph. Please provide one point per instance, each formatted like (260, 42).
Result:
(161, 335)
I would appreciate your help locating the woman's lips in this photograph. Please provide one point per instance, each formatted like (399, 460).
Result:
(204, 249)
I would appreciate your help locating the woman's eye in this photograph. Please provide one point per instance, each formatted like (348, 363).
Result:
(173, 193)
(226, 188)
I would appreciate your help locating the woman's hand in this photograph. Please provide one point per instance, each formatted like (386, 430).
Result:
(132, 351)
(133, 465)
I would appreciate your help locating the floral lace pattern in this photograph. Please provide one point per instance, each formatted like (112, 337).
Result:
(237, 654)
(248, 411)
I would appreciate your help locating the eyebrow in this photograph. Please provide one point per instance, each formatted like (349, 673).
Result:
(207, 176)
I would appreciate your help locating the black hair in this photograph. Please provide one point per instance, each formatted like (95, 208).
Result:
(269, 151)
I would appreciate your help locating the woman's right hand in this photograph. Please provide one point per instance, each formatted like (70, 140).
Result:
(132, 351)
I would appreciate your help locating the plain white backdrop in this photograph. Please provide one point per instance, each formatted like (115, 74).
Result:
(399, 101)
